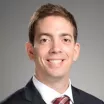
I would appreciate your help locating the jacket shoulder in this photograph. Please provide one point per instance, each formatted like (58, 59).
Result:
(15, 98)
(86, 97)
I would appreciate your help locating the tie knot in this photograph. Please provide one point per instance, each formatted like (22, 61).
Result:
(61, 100)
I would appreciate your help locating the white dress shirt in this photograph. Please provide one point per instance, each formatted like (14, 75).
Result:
(48, 94)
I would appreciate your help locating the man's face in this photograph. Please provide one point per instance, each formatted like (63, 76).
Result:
(54, 47)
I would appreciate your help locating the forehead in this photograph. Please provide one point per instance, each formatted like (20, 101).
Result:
(54, 25)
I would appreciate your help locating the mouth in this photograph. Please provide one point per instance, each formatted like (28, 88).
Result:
(55, 60)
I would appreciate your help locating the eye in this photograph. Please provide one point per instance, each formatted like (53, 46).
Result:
(44, 40)
(66, 40)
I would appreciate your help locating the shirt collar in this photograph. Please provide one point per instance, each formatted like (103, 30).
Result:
(44, 90)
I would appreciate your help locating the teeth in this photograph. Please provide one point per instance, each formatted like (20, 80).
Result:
(55, 61)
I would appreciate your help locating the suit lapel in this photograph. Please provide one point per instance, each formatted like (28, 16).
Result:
(76, 95)
(31, 94)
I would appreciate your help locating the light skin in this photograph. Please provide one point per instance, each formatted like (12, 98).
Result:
(54, 51)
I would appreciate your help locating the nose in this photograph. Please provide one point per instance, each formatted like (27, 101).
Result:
(55, 47)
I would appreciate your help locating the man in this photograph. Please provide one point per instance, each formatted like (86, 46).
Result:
(53, 47)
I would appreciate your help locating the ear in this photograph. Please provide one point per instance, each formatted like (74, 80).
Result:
(76, 51)
(30, 50)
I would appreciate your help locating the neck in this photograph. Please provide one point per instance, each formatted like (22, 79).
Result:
(59, 84)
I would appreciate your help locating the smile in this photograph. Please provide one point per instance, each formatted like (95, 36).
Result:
(55, 61)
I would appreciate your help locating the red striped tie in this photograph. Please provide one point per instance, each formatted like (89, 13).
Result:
(62, 100)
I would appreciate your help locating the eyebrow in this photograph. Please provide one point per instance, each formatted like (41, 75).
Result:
(45, 34)
(66, 34)
(49, 35)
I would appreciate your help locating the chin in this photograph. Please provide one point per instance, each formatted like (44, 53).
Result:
(56, 74)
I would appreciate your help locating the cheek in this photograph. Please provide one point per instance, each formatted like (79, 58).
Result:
(69, 50)
(41, 51)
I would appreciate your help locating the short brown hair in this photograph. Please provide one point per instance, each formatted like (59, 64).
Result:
(48, 10)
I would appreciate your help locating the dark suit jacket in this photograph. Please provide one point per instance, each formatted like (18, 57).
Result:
(30, 95)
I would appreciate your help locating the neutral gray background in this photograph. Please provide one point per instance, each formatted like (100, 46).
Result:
(16, 68)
